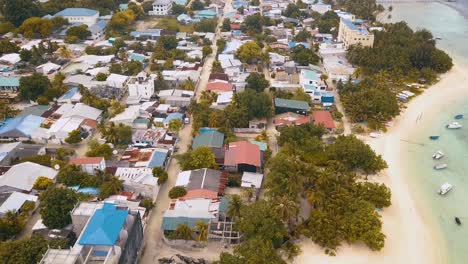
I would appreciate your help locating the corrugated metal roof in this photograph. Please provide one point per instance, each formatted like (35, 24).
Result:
(22, 126)
(77, 12)
(286, 103)
(211, 139)
(104, 226)
(158, 159)
(9, 81)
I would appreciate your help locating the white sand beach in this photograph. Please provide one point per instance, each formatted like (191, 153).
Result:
(409, 238)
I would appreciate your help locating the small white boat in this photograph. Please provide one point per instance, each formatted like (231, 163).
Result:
(445, 188)
(438, 155)
(454, 125)
(440, 166)
(374, 135)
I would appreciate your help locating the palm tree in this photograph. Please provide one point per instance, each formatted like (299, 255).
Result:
(183, 231)
(234, 207)
(188, 84)
(248, 194)
(64, 52)
(202, 230)
(286, 208)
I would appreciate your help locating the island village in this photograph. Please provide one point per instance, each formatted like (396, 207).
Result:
(196, 131)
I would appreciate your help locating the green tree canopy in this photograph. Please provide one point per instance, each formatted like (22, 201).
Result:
(177, 191)
(355, 155)
(304, 56)
(17, 11)
(99, 150)
(81, 32)
(249, 52)
(42, 183)
(257, 82)
(36, 27)
(33, 86)
(56, 204)
(74, 137)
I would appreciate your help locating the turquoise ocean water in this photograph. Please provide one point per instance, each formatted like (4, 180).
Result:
(450, 24)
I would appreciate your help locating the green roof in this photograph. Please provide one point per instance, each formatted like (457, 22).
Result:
(295, 104)
(171, 223)
(36, 110)
(141, 120)
(262, 145)
(223, 206)
(9, 81)
(311, 75)
(211, 139)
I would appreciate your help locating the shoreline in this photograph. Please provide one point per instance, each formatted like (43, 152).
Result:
(411, 237)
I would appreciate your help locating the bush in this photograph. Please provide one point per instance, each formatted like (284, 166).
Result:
(42, 183)
(147, 204)
(28, 206)
(234, 180)
(176, 192)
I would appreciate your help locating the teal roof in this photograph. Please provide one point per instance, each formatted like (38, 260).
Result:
(171, 223)
(77, 12)
(205, 14)
(311, 75)
(223, 206)
(104, 227)
(141, 120)
(262, 145)
(211, 139)
(137, 57)
(36, 110)
(123, 7)
(9, 81)
(295, 104)
(181, 2)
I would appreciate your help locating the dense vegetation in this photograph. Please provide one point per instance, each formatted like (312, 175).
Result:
(342, 204)
(400, 51)
(399, 55)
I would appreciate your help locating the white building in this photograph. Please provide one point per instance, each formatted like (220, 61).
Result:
(139, 180)
(320, 8)
(21, 177)
(141, 85)
(90, 164)
(79, 15)
(116, 80)
(161, 7)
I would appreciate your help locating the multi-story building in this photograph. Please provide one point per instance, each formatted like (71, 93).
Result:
(141, 86)
(161, 7)
(353, 32)
(79, 15)
(108, 234)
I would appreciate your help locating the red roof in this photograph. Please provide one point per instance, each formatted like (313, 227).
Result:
(324, 118)
(219, 86)
(235, 26)
(86, 160)
(200, 193)
(242, 152)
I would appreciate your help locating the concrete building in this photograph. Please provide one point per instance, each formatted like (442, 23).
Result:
(21, 177)
(90, 164)
(79, 15)
(161, 7)
(352, 32)
(141, 85)
(111, 234)
(139, 180)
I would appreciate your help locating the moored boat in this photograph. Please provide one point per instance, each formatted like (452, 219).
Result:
(454, 125)
(438, 155)
(434, 137)
(445, 188)
(440, 166)
(459, 116)
(457, 220)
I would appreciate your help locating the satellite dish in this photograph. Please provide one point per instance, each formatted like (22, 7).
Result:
(115, 152)
(57, 167)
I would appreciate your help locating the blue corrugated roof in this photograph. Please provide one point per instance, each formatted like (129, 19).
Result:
(158, 159)
(69, 94)
(21, 126)
(9, 81)
(261, 145)
(137, 57)
(173, 116)
(104, 226)
(77, 12)
(98, 27)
